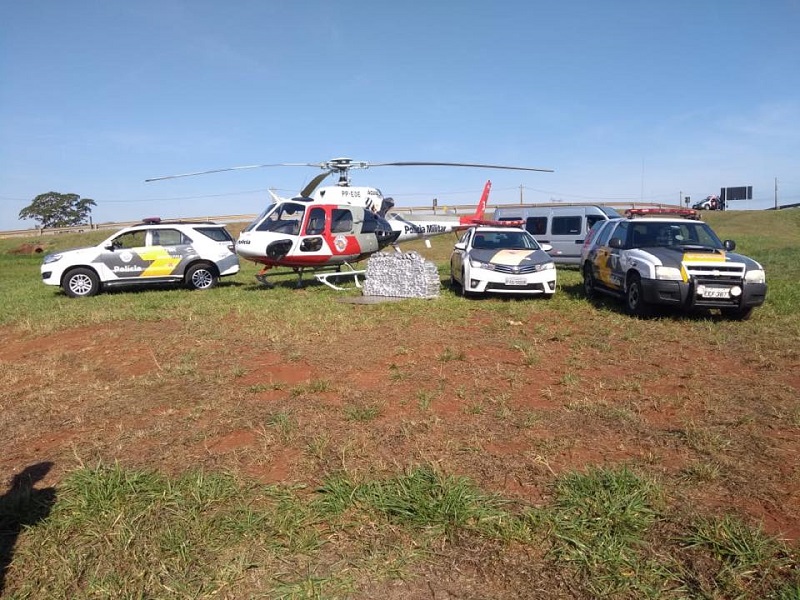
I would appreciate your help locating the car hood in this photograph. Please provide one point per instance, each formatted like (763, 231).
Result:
(76, 251)
(674, 257)
(510, 257)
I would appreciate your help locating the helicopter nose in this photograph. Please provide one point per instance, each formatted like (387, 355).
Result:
(385, 238)
(244, 247)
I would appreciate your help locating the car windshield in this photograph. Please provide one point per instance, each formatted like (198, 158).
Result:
(682, 235)
(504, 240)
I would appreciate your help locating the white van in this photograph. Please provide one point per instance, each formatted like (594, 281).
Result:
(563, 227)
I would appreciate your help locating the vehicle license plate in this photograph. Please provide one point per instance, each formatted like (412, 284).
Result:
(716, 292)
(516, 281)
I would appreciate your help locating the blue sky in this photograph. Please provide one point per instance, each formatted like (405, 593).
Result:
(623, 99)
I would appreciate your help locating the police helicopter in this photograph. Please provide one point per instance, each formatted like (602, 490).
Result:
(328, 229)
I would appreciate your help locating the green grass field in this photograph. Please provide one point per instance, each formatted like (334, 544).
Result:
(278, 443)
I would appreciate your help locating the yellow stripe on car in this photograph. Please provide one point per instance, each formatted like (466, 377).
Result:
(163, 263)
(695, 257)
(510, 257)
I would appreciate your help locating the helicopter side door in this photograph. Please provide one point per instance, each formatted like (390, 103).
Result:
(312, 241)
(345, 222)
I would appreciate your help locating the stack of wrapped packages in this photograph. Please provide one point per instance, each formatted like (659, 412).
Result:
(401, 275)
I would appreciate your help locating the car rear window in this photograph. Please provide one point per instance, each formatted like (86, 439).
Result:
(218, 234)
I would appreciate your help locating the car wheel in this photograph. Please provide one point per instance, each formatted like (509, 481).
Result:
(201, 277)
(81, 283)
(634, 298)
(588, 281)
(737, 314)
(453, 280)
(464, 292)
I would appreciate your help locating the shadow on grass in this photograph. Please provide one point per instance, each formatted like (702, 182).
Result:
(21, 506)
(607, 302)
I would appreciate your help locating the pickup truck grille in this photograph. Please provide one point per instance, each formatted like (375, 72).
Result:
(712, 271)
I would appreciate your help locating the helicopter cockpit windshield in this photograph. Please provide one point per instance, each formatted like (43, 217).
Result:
(282, 217)
(259, 218)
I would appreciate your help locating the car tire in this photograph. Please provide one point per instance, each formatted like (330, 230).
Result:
(463, 289)
(81, 283)
(201, 277)
(737, 314)
(589, 289)
(453, 281)
(634, 297)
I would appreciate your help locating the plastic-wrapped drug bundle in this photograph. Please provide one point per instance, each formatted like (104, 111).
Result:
(401, 275)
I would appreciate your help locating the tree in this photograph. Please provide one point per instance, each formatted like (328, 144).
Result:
(58, 210)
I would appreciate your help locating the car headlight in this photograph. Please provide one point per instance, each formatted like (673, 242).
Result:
(51, 258)
(668, 273)
(546, 266)
(477, 264)
(755, 276)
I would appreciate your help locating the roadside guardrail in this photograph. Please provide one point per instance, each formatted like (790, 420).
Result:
(433, 211)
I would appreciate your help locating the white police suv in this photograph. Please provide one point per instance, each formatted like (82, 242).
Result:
(193, 253)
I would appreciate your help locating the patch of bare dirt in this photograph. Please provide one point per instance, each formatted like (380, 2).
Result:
(153, 395)
(27, 248)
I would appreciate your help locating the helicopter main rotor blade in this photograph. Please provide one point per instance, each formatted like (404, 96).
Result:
(233, 169)
(452, 164)
(309, 189)
(343, 165)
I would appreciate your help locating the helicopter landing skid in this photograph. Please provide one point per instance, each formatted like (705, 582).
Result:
(262, 276)
(262, 279)
(324, 277)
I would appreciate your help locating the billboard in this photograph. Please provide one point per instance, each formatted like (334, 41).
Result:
(736, 193)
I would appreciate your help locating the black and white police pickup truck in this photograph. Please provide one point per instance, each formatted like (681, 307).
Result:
(653, 257)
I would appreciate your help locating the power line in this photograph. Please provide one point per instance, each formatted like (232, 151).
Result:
(178, 198)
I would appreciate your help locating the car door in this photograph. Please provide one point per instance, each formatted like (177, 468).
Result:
(168, 252)
(120, 259)
(612, 273)
(601, 258)
(566, 236)
(459, 254)
(146, 254)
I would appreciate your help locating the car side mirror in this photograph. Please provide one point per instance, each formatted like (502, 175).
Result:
(460, 246)
(729, 245)
(546, 247)
(111, 247)
(616, 243)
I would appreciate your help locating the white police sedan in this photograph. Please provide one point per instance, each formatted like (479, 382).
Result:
(503, 260)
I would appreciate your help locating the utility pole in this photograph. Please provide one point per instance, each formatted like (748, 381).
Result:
(776, 193)
(521, 187)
